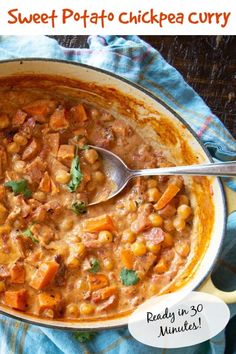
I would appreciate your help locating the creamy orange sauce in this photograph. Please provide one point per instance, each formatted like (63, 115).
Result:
(60, 258)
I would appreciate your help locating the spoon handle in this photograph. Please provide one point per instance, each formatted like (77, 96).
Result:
(222, 169)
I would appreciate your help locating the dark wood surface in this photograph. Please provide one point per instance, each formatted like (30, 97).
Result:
(207, 63)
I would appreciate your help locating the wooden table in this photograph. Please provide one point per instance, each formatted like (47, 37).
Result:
(207, 63)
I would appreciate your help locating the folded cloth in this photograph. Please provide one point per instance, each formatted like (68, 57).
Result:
(133, 59)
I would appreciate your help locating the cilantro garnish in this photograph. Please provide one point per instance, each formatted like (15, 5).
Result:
(83, 337)
(85, 147)
(79, 208)
(95, 266)
(28, 233)
(128, 277)
(76, 174)
(19, 187)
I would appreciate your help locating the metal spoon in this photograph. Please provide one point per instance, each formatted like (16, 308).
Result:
(120, 174)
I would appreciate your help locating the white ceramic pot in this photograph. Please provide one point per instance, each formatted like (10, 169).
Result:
(96, 84)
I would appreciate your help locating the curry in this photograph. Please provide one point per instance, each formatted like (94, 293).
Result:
(59, 257)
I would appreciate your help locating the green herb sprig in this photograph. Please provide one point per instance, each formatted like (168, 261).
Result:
(79, 208)
(19, 187)
(128, 277)
(76, 173)
(28, 233)
(95, 266)
(83, 337)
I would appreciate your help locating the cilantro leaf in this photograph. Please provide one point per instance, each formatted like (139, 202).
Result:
(79, 208)
(19, 187)
(95, 266)
(28, 233)
(85, 147)
(76, 174)
(83, 337)
(128, 277)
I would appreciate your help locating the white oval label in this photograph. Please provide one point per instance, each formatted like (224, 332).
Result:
(162, 322)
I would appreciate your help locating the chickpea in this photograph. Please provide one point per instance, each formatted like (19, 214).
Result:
(94, 113)
(67, 224)
(153, 195)
(86, 309)
(184, 211)
(108, 264)
(91, 186)
(168, 240)
(72, 310)
(183, 199)
(13, 148)
(20, 139)
(4, 121)
(151, 183)
(182, 248)
(128, 236)
(19, 166)
(130, 205)
(179, 224)
(161, 267)
(139, 248)
(131, 217)
(91, 156)
(154, 248)
(155, 219)
(96, 166)
(105, 236)
(40, 196)
(62, 176)
(98, 177)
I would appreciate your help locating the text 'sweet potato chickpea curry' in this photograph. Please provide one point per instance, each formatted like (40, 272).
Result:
(59, 257)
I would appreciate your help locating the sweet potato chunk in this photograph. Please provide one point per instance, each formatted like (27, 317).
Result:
(105, 293)
(17, 274)
(40, 109)
(78, 113)
(58, 120)
(3, 161)
(48, 301)
(52, 142)
(101, 223)
(44, 275)
(16, 299)
(97, 281)
(2, 192)
(31, 150)
(3, 214)
(45, 184)
(167, 196)
(39, 214)
(66, 154)
(35, 170)
(54, 188)
(127, 258)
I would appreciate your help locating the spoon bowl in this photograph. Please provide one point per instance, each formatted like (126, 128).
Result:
(116, 171)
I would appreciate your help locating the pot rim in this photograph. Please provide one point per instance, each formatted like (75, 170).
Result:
(37, 321)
